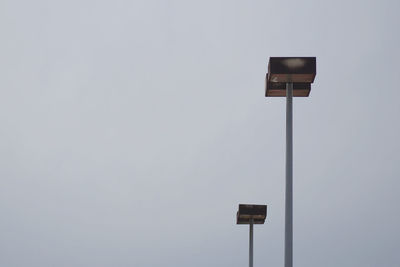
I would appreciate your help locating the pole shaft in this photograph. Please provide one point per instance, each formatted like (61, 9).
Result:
(289, 177)
(251, 244)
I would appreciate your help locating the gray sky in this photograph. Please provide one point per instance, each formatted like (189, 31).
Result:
(131, 130)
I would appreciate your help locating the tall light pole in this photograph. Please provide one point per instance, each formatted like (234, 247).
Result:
(289, 76)
(251, 214)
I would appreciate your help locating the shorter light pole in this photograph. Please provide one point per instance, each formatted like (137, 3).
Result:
(251, 243)
(251, 214)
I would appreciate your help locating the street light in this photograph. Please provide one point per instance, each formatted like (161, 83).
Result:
(251, 214)
(296, 74)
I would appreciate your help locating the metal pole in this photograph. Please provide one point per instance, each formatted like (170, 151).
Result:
(251, 244)
(289, 178)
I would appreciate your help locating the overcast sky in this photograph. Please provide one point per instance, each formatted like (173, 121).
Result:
(131, 130)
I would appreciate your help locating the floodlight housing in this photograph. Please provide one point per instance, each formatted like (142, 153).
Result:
(247, 212)
(300, 71)
(292, 69)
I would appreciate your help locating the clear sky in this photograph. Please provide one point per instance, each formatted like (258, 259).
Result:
(131, 130)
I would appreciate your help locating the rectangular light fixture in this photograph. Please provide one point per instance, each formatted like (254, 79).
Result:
(292, 69)
(247, 212)
(300, 71)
